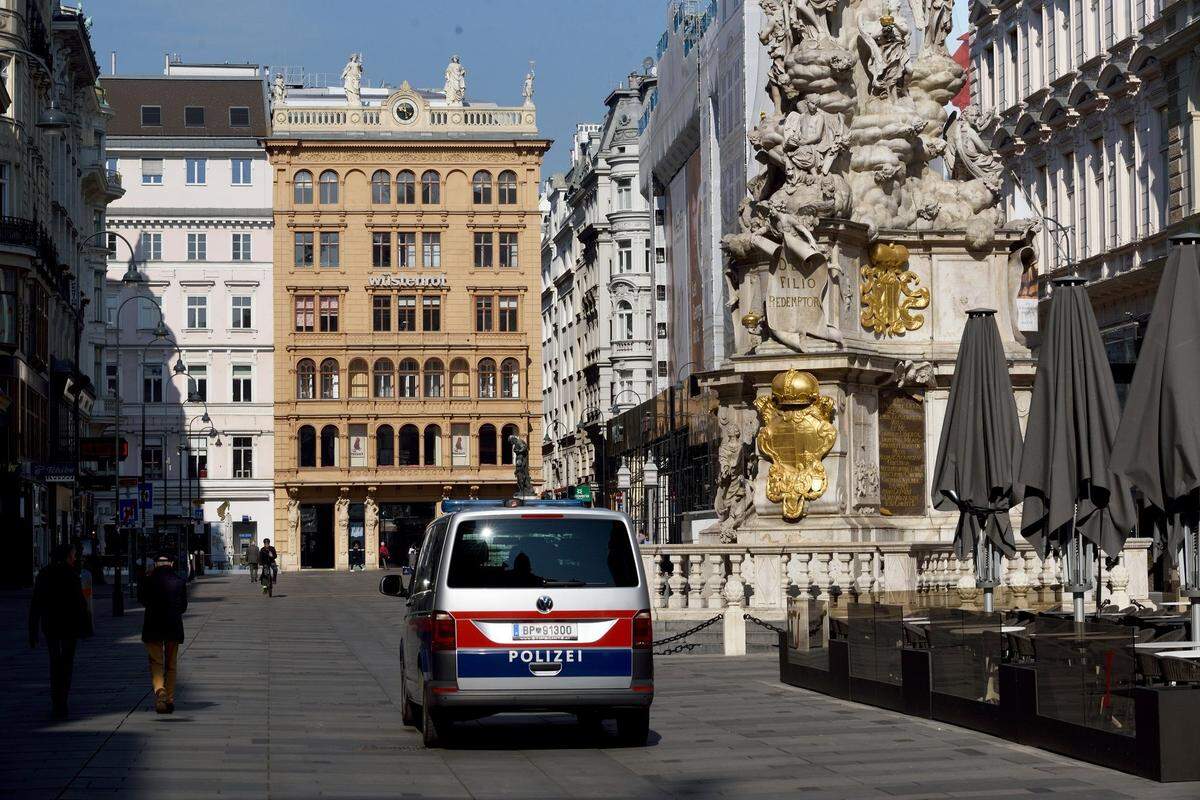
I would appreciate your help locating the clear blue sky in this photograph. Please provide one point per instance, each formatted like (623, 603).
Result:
(582, 48)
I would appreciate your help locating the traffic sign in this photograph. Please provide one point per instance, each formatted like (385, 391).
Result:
(128, 509)
(146, 495)
(584, 492)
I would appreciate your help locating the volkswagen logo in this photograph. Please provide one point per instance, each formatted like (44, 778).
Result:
(545, 604)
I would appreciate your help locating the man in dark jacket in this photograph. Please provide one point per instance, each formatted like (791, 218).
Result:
(252, 560)
(61, 612)
(164, 594)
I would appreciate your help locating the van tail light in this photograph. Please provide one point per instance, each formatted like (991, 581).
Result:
(643, 631)
(443, 632)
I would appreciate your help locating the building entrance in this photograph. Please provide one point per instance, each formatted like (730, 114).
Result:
(401, 526)
(316, 536)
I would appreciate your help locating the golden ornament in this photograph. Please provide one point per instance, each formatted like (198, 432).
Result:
(891, 292)
(796, 434)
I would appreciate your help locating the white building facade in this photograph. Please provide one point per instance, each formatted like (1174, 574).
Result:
(197, 212)
(1097, 103)
(598, 288)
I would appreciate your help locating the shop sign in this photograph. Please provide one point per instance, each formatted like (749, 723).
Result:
(391, 281)
(584, 492)
(54, 473)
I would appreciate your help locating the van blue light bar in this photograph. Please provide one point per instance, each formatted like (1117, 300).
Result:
(451, 506)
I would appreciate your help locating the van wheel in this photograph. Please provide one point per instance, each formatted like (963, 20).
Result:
(408, 711)
(633, 727)
(432, 724)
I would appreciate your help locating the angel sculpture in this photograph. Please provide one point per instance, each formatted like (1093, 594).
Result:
(967, 156)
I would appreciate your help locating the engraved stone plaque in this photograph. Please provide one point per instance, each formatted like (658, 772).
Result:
(794, 300)
(901, 453)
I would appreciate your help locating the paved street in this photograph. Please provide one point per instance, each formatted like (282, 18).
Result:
(296, 697)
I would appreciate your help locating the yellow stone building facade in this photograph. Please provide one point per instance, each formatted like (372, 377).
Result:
(407, 321)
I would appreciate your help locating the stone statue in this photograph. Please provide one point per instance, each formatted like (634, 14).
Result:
(809, 19)
(352, 79)
(734, 502)
(966, 154)
(886, 42)
(520, 450)
(293, 517)
(527, 87)
(777, 38)
(341, 515)
(456, 82)
(278, 90)
(914, 373)
(933, 18)
(814, 138)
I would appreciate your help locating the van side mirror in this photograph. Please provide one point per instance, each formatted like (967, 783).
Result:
(393, 585)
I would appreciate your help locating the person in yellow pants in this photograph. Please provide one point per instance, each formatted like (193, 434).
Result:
(164, 594)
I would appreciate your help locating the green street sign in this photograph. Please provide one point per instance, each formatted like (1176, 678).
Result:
(583, 492)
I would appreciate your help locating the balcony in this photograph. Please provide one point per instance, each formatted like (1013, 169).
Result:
(631, 348)
(98, 178)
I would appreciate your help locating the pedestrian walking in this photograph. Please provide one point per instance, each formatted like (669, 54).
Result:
(412, 556)
(384, 555)
(59, 610)
(164, 594)
(252, 560)
(267, 558)
(358, 556)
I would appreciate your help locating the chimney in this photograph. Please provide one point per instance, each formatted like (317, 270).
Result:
(112, 68)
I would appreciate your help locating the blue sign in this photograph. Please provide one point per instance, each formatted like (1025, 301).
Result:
(146, 495)
(197, 513)
(128, 511)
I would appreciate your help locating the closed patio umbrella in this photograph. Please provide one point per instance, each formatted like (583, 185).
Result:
(1073, 502)
(1158, 441)
(979, 451)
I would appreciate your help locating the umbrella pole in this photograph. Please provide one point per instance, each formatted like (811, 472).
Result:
(1077, 566)
(1190, 575)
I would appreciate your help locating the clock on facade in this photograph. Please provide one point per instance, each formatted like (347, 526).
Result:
(404, 111)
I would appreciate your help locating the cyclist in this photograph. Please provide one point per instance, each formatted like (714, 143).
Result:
(266, 561)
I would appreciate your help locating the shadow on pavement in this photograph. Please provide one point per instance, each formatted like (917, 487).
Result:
(536, 732)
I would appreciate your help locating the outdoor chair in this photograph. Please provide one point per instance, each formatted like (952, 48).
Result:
(1177, 670)
(916, 636)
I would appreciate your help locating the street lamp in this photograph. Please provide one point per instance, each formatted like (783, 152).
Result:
(650, 490)
(52, 119)
(616, 406)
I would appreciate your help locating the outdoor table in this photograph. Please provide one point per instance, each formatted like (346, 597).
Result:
(1193, 653)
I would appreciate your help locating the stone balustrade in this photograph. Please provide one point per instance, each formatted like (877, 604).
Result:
(375, 119)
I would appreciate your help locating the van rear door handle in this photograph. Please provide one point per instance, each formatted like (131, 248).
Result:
(545, 670)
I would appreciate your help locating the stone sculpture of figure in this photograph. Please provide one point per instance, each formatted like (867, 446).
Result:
(886, 41)
(371, 518)
(777, 39)
(738, 466)
(966, 154)
(278, 90)
(520, 450)
(527, 87)
(456, 82)
(293, 516)
(933, 18)
(809, 18)
(796, 235)
(814, 138)
(341, 515)
(352, 79)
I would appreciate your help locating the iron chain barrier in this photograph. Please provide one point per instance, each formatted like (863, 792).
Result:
(763, 624)
(689, 632)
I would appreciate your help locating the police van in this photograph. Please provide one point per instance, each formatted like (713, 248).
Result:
(525, 606)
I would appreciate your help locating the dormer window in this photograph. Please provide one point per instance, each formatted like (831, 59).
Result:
(193, 116)
(151, 116)
(239, 117)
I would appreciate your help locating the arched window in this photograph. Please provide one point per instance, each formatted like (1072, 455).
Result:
(435, 376)
(433, 446)
(307, 436)
(302, 188)
(385, 446)
(487, 444)
(406, 188)
(358, 380)
(624, 321)
(381, 187)
(460, 378)
(306, 379)
(507, 188)
(487, 379)
(410, 376)
(431, 187)
(329, 187)
(329, 379)
(329, 446)
(410, 444)
(384, 380)
(506, 448)
(510, 378)
(481, 188)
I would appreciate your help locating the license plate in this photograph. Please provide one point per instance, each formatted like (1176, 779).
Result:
(545, 631)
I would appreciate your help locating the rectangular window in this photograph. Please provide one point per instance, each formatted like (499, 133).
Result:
(406, 312)
(193, 116)
(1077, 32)
(624, 256)
(508, 313)
(150, 246)
(431, 250)
(197, 247)
(1051, 38)
(330, 247)
(624, 194)
(304, 248)
(196, 171)
(431, 312)
(198, 457)
(151, 116)
(241, 312)
(406, 249)
(197, 382)
(508, 250)
(662, 330)
(483, 251)
(152, 459)
(329, 314)
(152, 171)
(483, 312)
(111, 380)
(1024, 88)
(1110, 24)
(197, 312)
(239, 117)
(381, 250)
(110, 242)
(1110, 181)
(1082, 182)
(243, 456)
(242, 391)
(152, 383)
(304, 305)
(381, 312)
(147, 314)
(241, 247)
(660, 292)
(241, 171)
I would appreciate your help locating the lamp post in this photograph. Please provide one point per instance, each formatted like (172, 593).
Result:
(184, 450)
(616, 406)
(650, 490)
(52, 119)
(552, 426)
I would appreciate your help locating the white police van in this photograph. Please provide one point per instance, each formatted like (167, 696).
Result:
(526, 606)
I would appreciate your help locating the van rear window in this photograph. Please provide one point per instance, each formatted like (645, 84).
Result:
(516, 553)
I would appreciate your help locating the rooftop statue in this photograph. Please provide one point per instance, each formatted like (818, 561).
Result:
(278, 90)
(456, 82)
(352, 79)
(527, 86)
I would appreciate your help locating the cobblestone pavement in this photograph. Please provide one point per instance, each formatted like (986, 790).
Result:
(296, 697)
